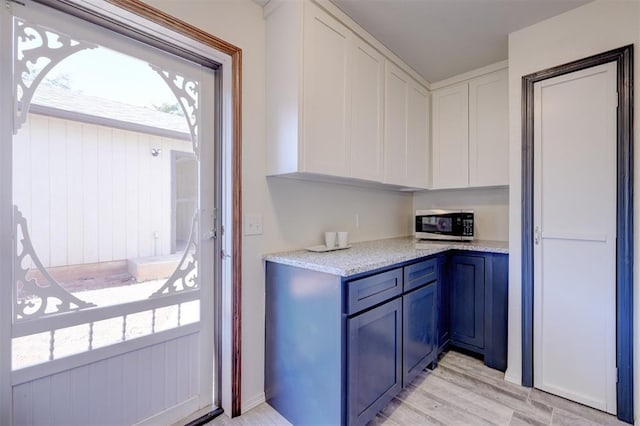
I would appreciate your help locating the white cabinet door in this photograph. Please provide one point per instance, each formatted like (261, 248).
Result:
(418, 159)
(406, 146)
(451, 137)
(367, 96)
(489, 129)
(326, 94)
(395, 133)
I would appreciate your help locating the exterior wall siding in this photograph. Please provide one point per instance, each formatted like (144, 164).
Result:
(92, 193)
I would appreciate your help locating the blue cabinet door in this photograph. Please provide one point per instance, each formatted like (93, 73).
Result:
(374, 360)
(467, 302)
(420, 347)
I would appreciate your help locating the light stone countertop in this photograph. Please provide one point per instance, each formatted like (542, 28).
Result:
(370, 255)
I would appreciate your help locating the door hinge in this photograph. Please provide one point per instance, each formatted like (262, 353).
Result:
(617, 377)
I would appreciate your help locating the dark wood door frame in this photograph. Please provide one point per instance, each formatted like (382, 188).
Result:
(623, 57)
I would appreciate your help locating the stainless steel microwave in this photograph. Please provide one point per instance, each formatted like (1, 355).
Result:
(450, 225)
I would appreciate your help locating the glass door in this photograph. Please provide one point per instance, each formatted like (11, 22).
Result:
(113, 198)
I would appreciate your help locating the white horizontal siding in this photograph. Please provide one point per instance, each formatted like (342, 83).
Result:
(120, 390)
(92, 193)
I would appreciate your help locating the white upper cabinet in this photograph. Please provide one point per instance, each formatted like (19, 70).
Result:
(470, 133)
(326, 103)
(406, 130)
(451, 137)
(326, 93)
(367, 97)
(489, 130)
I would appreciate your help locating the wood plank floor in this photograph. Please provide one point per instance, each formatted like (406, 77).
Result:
(461, 391)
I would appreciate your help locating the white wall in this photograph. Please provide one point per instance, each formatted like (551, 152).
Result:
(594, 28)
(491, 207)
(295, 212)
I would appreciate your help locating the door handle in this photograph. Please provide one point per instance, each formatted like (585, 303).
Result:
(536, 235)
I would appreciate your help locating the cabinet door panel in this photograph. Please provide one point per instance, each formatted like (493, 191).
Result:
(326, 94)
(396, 112)
(489, 130)
(418, 159)
(451, 137)
(374, 360)
(367, 85)
(419, 331)
(467, 301)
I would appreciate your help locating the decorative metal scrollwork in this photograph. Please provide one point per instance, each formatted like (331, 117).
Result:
(36, 302)
(33, 44)
(186, 91)
(184, 278)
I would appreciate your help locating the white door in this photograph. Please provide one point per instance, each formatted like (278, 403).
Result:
(575, 236)
(108, 325)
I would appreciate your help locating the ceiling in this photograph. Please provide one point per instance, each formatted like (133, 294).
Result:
(443, 38)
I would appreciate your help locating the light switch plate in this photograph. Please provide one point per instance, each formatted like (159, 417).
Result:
(253, 224)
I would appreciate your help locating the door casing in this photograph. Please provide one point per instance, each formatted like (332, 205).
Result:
(623, 57)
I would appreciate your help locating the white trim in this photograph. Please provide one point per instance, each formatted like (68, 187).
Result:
(471, 74)
(6, 213)
(193, 416)
(28, 374)
(253, 402)
(226, 237)
(173, 414)
(69, 319)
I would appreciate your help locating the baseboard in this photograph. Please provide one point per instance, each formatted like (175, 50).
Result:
(511, 379)
(253, 402)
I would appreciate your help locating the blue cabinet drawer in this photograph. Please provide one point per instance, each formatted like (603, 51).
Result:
(370, 291)
(420, 273)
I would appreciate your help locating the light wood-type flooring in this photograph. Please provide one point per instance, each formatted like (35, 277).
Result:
(461, 391)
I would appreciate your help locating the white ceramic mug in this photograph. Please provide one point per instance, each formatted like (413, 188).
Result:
(330, 239)
(343, 239)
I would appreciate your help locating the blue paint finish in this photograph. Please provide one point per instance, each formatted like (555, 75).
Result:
(420, 273)
(373, 360)
(419, 316)
(303, 348)
(366, 292)
(444, 303)
(339, 349)
(496, 310)
(625, 214)
(467, 301)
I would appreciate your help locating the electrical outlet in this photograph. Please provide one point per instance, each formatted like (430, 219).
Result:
(253, 224)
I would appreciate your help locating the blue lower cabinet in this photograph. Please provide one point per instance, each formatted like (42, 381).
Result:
(496, 311)
(444, 303)
(467, 301)
(420, 343)
(374, 360)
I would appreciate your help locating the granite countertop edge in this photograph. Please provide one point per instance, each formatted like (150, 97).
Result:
(371, 255)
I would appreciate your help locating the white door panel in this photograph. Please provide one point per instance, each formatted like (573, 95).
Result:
(575, 226)
(106, 325)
